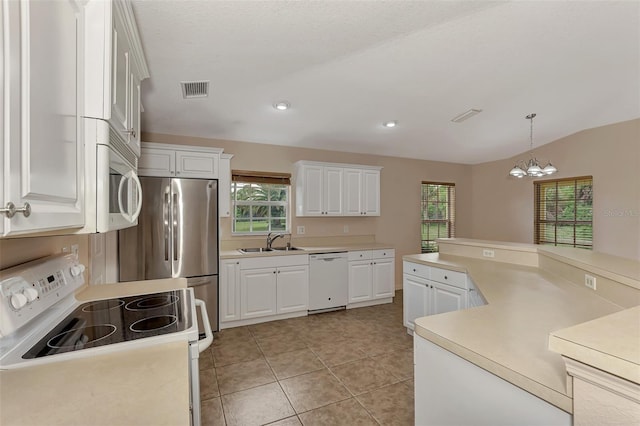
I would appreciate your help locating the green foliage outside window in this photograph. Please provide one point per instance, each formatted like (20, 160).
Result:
(564, 212)
(260, 207)
(437, 214)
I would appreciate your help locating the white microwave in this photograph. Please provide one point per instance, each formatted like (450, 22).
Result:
(114, 183)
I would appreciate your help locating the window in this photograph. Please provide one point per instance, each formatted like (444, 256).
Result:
(438, 213)
(260, 202)
(564, 212)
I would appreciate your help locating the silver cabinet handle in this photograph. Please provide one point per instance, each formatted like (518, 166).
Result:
(131, 132)
(10, 210)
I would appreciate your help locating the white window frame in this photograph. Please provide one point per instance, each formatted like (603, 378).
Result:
(286, 204)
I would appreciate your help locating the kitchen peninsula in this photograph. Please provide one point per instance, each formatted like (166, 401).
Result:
(533, 322)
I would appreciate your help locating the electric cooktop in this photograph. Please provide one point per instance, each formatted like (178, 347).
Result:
(105, 322)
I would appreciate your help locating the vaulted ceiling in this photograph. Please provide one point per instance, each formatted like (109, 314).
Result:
(348, 66)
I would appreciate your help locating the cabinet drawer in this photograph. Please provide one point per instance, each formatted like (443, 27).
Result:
(416, 269)
(386, 253)
(360, 255)
(457, 279)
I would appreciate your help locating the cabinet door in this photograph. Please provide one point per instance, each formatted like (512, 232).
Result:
(446, 298)
(43, 148)
(257, 292)
(230, 290)
(121, 78)
(352, 192)
(157, 162)
(383, 278)
(134, 110)
(416, 293)
(371, 192)
(293, 289)
(360, 281)
(333, 187)
(312, 190)
(224, 186)
(197, 164)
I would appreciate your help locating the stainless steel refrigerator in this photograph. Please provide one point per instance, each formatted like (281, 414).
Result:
(176, 236)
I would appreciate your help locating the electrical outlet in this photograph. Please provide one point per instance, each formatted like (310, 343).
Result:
(590, 281)
(300, 230)
(75, 249)
(345, 229)
(488, 253)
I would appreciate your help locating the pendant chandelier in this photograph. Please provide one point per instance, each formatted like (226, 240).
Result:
(531, 167)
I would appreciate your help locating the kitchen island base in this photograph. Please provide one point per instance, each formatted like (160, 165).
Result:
(450, 390)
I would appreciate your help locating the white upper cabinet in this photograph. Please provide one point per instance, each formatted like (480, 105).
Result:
(179, 161)
(42, 140)
(370, 192)
(115, 66)
(310, 190)
(224, 185)
(353, 192)
(328, 189)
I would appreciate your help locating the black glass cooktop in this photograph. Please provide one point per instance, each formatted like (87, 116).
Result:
(124, 319)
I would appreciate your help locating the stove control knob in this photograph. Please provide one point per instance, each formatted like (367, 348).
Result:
(30, 293)
(18, 300)
(76, 270)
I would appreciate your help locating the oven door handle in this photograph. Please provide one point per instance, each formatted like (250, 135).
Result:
(206, 342)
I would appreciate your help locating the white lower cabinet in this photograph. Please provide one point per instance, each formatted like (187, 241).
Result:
(229, 290)
(371, 275)
(417, 299)
(263, 287)
(430, 291)
(446, 298)
(292, 289)
(360, 283)
(258, 292)
(383, 278)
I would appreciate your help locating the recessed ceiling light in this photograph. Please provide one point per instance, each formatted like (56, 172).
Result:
(392, 123)
(282, 105)
(466, 115)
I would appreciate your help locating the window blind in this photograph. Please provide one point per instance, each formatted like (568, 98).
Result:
(261, 177)
(564, 212)
(438, 203)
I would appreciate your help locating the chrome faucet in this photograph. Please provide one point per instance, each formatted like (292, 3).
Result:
(270, 239)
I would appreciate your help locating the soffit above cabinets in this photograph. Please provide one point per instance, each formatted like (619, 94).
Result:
(347, 67)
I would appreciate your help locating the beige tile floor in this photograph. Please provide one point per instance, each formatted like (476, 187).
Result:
(351, 367)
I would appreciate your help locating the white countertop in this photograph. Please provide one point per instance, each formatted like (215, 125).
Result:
(610, 343)
(234, 254)
(141, 386)
(509, 336)
(147, 386)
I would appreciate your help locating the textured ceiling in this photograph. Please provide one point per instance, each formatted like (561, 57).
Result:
(347, 66)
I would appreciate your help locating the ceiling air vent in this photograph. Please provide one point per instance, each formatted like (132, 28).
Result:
(195, 89)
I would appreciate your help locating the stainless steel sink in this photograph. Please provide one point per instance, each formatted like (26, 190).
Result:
(286, 248)
(255, 250)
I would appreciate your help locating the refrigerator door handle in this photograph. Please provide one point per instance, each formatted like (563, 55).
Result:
(165, 220)
(176, 221)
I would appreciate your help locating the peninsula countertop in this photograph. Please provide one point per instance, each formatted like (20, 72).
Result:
(509, 336)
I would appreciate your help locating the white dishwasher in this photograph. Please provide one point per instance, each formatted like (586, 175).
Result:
(328, 282)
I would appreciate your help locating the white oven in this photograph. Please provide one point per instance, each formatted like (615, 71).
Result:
(113, 190)
(41, 321)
